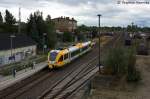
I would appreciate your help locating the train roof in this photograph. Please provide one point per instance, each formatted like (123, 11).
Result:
(71, 48)
(86, 43)
(55, 51)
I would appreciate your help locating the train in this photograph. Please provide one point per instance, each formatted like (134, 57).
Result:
(62, 56)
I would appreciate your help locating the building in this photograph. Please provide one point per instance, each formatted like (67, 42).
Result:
(14, 48)
(65, 24)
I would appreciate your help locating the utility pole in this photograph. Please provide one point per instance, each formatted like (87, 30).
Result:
(99, 16)
(132, 27)
(44, 45)
(19, 22)
(11, 43)
(132, 24)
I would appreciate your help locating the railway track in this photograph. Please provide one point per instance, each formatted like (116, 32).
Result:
(33, 82)
(72, 82)
(19, 86)
(49, 78)
(34, 88)
(69, 80)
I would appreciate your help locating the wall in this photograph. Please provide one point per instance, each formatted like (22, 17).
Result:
(18, 54)
(65, 25)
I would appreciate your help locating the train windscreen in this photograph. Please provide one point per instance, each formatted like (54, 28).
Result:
(53, 56)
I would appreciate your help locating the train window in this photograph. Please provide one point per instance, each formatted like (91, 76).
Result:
(78, 51)
(53, 56)
(75, 53)
(60, 59)
(65, 56)
(72, 54)
(84, 48)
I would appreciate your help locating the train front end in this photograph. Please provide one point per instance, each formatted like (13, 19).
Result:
(52, 55)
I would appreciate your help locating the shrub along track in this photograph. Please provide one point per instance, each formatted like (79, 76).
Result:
(35, 85)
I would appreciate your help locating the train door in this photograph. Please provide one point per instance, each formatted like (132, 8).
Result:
(69, 54)
(66, 58)
(60, 61)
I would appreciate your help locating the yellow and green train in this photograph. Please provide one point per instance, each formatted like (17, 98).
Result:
(61, 57)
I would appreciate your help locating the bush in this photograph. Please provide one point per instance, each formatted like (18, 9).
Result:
(133, 74)
(115, 61)
(121, 62)
(67, 37)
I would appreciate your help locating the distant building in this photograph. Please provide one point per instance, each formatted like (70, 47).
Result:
(65, 24)
(14, 48)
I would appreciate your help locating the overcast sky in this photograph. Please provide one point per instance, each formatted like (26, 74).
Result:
(84, 11)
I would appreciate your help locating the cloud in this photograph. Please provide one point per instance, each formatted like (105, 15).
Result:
(78, 2)
(84, 11)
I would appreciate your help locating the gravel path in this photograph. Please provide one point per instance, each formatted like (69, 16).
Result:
(143, 63)
(140, 90)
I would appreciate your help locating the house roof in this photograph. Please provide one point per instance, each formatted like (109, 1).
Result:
(65, 18)
(20, 40)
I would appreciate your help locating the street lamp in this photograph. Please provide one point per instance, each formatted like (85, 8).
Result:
(11, 42)
(99, 16)
(44, 46)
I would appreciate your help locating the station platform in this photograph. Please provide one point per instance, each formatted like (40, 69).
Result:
(6, 81)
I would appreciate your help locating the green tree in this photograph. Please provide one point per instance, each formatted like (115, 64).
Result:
(94, 31)
(83, 28)
(132, 28)
(116, 61)
(23, 27)
(1, 23)
(67, 37)
(121, 62)
(48, 18)
(132, 74)
(32, 28)
(37, 27)
(9, 24)
(9, 18)
(81, 37)
(51, 34)
(1, 18)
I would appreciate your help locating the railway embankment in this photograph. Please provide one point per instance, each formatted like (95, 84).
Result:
(105, 87)
(129, 86)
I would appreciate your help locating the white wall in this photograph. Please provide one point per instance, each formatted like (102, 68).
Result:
(19, 54)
